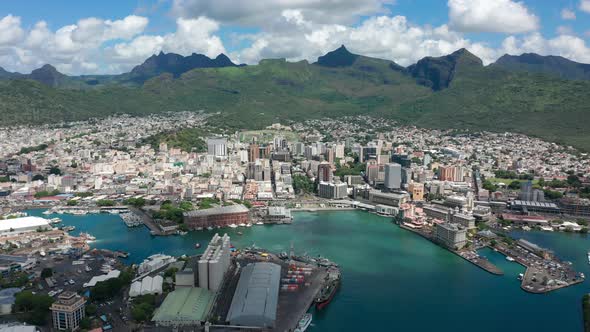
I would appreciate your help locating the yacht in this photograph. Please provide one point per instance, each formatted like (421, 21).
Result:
(260, 223)
(233, 226)
(510, 259)
(304, 323)
(242, 225)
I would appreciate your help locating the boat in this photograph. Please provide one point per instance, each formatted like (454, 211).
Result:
(88, 236)
(248, 225)
(520, 276)
(304, 323)
(588, 257)
(197, 245)
(510, 259)
(69, 228)
(233, 226)
(329, 290)
(47, 212)
(182, 233)
(42, 253)
(260, 223)
(54, 220)
(240, 233)
(242, 225)
(209, 228)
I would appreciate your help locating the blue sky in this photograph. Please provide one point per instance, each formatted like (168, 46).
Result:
(111, 36)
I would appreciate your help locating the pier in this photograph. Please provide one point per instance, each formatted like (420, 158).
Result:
(542, 275)
(470, 256)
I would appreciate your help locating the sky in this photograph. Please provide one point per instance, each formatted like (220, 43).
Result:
(113, 36)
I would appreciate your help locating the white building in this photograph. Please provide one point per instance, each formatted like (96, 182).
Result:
(393, 176)
(217, 146)
(452, 236)
(24, 224)
(214, 262)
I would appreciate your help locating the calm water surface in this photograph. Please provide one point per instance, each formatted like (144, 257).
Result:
(393, 280)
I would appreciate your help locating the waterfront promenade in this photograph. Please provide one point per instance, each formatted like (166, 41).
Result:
(470, 256)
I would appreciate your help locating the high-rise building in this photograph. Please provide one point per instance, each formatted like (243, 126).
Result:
(339, 150)
(68, 311)
(332, 190)
(253, 152)
(393, 176)
(324, 172)
(217, 146)
(214, 262)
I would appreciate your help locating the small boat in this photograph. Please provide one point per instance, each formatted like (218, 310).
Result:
(520, 276)
(47, 212)
(260, 223)
(240, 233)
(209, 228)
(248, 225)
(69, 228)
(510, 259)
(588, 257)
(242, 225)
(233, 226)
(304, 323)
(182, 233)
(197, 245)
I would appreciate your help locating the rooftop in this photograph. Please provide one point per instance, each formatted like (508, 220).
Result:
(24, 222)
(185, 305)
(237, 208)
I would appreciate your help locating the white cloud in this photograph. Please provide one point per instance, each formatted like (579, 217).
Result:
(505, 16)
(568, 14)
(264, 12)
(74, 48)
(567, 46)
(585, 5)
(10, 30)
(384, 37)
(191, 36)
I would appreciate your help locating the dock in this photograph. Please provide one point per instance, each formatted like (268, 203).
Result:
(470, 256)
(542, 275)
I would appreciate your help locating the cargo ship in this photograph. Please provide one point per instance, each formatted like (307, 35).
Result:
(327, 293)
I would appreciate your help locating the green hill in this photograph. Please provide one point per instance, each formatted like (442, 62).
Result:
(455, 91)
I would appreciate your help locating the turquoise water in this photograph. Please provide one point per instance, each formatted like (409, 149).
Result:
(393, 280)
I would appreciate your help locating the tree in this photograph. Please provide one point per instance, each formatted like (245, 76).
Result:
(46, 272)
(91, 309)
(72, 203)
(85, 323)
(514, 185)
(38, 177)
(105, 202)
(54, 170)
(35, 306)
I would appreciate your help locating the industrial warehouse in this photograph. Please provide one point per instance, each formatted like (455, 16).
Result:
(237, 289)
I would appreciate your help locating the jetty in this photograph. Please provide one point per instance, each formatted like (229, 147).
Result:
(469, 255)
(544, 272)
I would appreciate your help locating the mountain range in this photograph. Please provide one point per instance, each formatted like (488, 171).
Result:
(545, 97)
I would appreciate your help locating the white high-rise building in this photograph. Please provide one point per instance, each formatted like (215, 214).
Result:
(217, 146)
(393, 176)
(214, 263)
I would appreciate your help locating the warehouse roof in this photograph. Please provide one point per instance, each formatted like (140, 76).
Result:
(24, 222)
(185, 305)
(237, 208)
(255, 300)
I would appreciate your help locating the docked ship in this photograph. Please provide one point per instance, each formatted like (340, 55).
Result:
(330, 288)
(588, 255)
(304, 323)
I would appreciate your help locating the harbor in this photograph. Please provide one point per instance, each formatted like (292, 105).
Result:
(379, 262)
